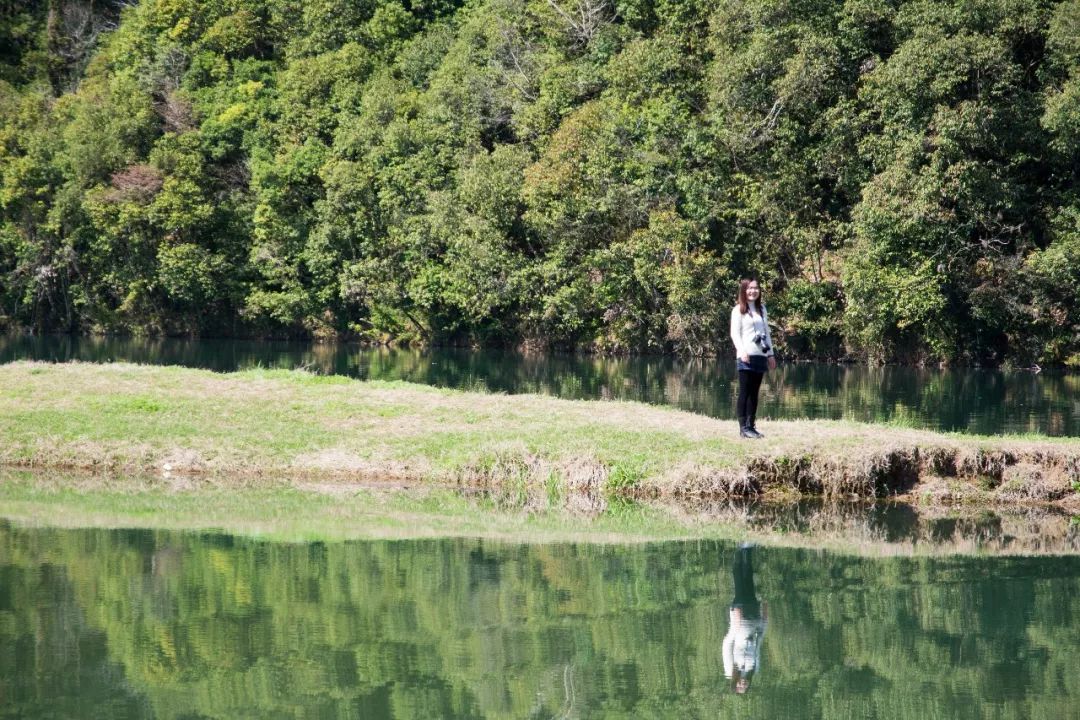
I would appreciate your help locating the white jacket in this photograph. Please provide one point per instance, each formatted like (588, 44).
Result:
(742, 644)
(745, 327)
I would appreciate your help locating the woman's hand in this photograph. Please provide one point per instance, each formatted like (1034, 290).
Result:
(746, 358)
(772, 363)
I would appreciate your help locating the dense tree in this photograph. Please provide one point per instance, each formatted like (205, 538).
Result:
(574, 173)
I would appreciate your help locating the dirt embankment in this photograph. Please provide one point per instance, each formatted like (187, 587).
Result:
(953, 470)
(943, 474)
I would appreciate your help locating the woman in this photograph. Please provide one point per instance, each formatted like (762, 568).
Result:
(753, 349)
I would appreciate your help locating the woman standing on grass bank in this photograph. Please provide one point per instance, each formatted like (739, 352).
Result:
(753, 349)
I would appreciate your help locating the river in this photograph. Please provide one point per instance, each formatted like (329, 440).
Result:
(98, 623)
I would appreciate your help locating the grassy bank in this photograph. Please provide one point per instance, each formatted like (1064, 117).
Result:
(329, 432)
(294, 511)
(288, 510)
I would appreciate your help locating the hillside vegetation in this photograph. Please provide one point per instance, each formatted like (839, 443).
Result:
(597, 174)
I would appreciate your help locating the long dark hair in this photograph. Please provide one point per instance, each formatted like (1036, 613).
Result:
(738, 675)
(744, 302)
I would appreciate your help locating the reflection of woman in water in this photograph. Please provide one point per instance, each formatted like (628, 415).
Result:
(748, 618)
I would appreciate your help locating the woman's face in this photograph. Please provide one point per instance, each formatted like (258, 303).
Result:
(753, 291)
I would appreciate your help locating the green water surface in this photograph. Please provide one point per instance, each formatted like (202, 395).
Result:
(141, 623)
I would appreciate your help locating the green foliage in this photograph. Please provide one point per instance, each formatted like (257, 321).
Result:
(900, 175)
(625, 476)
(1053, 276)
(813, 317)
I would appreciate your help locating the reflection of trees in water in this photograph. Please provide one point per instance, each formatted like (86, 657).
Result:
(1025, 529)
(982, 401)
(52, 662)
(217, 626)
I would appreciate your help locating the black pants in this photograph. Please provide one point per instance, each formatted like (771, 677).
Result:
(745, 594)
(749, 385)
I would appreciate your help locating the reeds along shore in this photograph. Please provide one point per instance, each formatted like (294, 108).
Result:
(172, 421)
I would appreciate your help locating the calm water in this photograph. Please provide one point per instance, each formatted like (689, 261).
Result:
(979, 401)
(133, 624)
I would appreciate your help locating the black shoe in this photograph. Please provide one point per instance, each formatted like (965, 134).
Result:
(744, 428)
(747, 433)
(753, 430)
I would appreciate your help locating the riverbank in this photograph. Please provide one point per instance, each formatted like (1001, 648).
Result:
(291, 511)
(173, 422)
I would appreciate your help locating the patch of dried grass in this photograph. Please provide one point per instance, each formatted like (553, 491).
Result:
(517, 477)
(182, 461)
(1029, 481)
(695, 480)
(584, 480)
(980, 462)
(341, 462)
(934, 490)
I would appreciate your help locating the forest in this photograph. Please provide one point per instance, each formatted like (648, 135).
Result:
(587, 175)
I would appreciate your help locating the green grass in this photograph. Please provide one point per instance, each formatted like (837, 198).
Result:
(117, 411)
(278, 423)
(281, 510)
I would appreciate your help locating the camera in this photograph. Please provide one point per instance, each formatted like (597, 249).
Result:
(762, 342)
